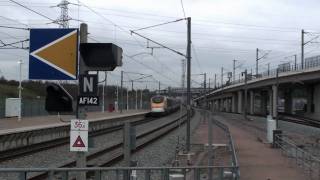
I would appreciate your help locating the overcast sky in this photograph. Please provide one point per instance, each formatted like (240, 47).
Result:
(222, 30)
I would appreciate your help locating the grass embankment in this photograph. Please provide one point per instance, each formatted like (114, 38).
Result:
(10, 91)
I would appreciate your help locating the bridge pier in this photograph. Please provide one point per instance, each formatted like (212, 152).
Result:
(223, 104)
(287, 95)
(263, 102)
(251, 96)
(228, 104)
(274, 111)
(310, 106)
(240, 101)
(233, 103)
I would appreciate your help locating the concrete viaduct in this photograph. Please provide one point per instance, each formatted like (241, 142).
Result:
(294, 91)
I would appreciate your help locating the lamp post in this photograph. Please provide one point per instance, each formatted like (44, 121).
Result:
(127, 98)
(245, 73)
(103, 92)
(20, 89)
(141, 99)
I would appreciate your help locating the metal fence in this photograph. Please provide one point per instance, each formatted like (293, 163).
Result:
(29, 107)
(289, 67)
(308, 162)
(228, 172)
(228, 140)
(2, 107)
(36, 107)
(225, 128)
(124, 173)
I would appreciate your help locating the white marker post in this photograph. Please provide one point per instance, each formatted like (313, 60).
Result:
(79, 135)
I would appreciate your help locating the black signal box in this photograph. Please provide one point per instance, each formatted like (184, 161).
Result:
(101, 56)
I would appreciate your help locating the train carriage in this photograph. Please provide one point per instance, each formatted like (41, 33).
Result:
(164, 105)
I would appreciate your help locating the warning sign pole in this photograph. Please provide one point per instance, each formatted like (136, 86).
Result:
(81, 156)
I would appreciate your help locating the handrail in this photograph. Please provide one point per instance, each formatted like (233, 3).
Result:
(305, 159)
(291, 143)
(272, 73)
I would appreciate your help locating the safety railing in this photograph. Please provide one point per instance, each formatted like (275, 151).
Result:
(121, 173)
(273, 72)
(234, 161)
(309, 163)
(225, 128)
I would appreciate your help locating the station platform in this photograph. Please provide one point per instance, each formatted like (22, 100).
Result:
(257, 160)
(12, 124)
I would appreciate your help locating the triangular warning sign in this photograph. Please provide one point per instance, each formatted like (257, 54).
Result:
(78, 142)
(60, 54)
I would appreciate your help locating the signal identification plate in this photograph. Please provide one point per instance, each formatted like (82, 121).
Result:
(88, 100)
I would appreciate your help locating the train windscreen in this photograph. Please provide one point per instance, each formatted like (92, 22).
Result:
(157, 99)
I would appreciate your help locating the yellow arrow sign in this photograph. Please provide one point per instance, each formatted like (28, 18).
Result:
(60, 54)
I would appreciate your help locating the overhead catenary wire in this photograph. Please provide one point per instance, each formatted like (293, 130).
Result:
(159, 73)
(195, 19)
(184, 12)
(228, 51)
(14, 20)
(12, 27)
(208, 22)
(32, 10)
(109, 21)
(161, 24)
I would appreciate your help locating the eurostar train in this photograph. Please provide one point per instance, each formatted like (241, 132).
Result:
(164, 105)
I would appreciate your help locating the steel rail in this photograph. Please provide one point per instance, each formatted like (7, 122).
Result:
(116, 150)
(42, 146)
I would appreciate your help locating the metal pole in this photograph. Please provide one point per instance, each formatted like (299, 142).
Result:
(205, 90)
(295, 62)
(215, 81)
(159, 87)
(141, 99)
(210, 152)
(127, 99)
(121, 93)
(20, 89)
(81, 156)
(257, 59)
(104, 91)
(136, 99)
(222, 77)
(234, 70)
(277, 86)
(102, 107)
(268, 69)
(132, 96)
(188, 84)
(117, 98)
(302, 49)
(245, 95)
(127, 148)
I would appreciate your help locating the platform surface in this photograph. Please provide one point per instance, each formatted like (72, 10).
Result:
(256, 160)
(12, 124)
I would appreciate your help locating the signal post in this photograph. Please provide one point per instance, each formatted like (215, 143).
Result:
(93, 57)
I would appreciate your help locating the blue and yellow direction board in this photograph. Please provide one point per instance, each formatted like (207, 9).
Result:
(53, 54)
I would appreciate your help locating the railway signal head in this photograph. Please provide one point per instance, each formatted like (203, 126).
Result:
(100, 56)
(58, 99)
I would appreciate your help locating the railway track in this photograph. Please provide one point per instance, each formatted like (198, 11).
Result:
(283, 117)
(116, 150)
(299, 120)
(38, 147)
